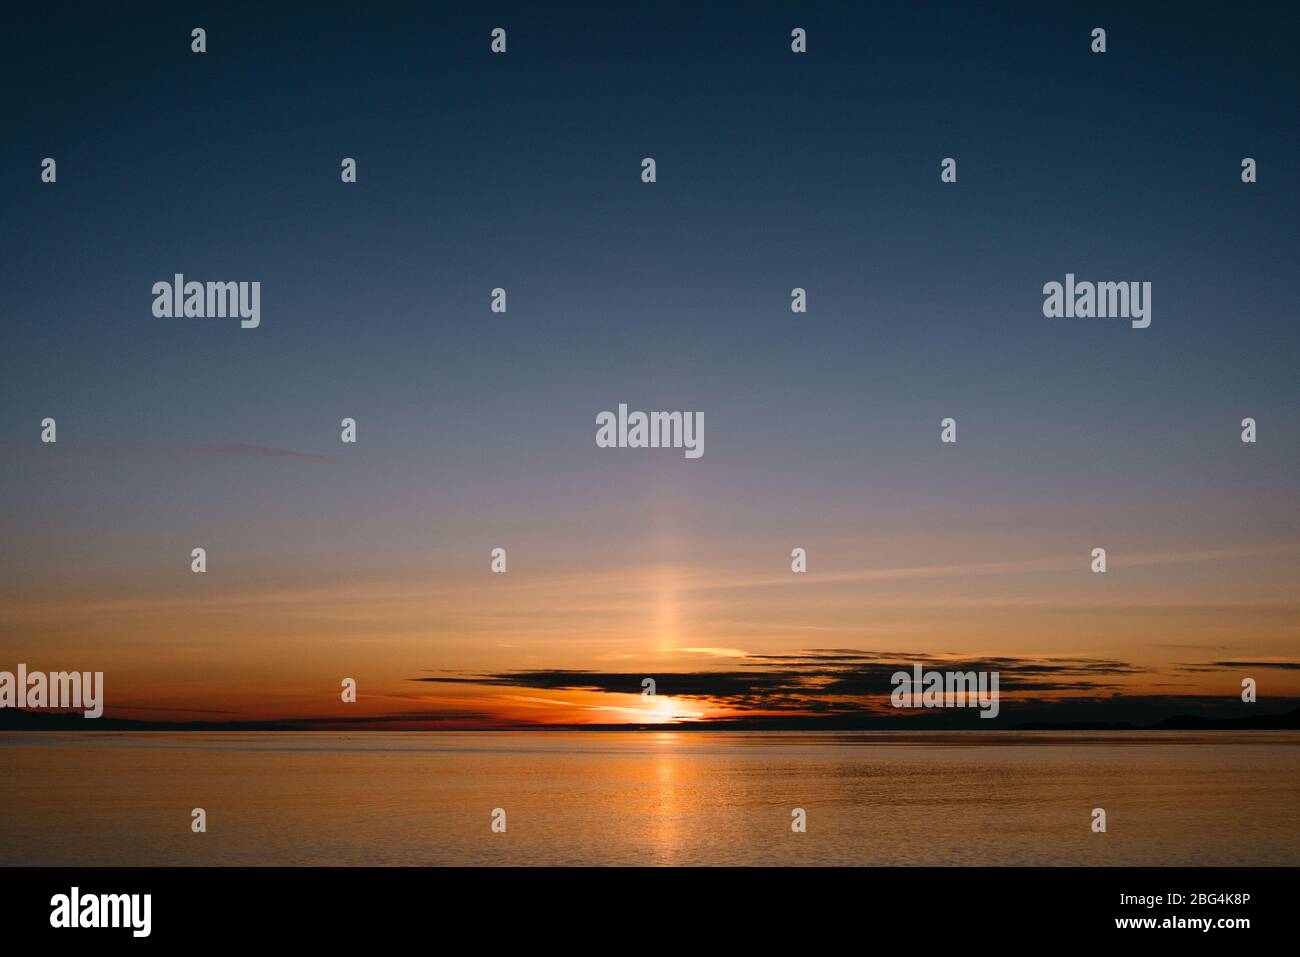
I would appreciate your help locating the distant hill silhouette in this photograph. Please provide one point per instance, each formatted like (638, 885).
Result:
(1264, 722)
(1290, 721)
(12, 719)
(15, 719)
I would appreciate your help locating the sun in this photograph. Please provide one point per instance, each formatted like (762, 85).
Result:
(666, 709)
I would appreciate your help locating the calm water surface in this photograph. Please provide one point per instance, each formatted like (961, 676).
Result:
(650, 798)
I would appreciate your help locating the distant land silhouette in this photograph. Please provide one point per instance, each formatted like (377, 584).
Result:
(23, 720)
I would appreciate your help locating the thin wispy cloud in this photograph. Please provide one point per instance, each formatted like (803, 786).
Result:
(92, 452)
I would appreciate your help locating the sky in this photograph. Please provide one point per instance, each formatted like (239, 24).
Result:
(476, 430)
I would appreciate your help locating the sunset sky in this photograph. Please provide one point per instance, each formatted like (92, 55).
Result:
(476, 430)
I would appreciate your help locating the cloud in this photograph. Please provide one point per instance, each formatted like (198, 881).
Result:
(1210, 666)
(712, 652)
(90, 453)
(827, 680)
